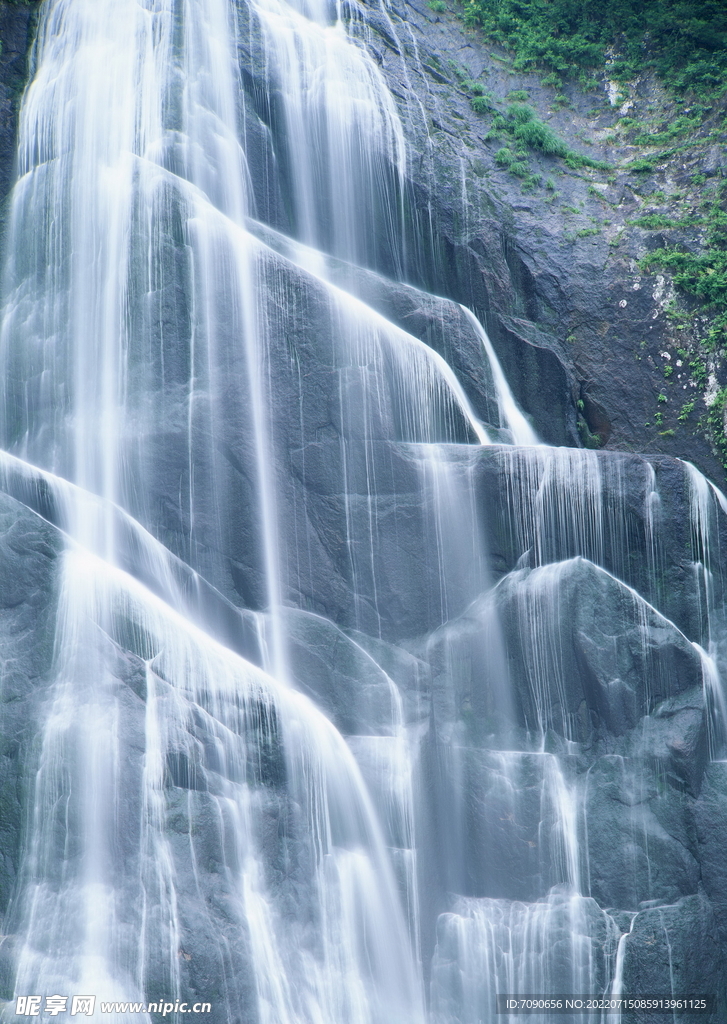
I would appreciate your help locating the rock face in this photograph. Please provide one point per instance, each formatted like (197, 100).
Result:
(579, 330)
(379, 708)
(17, 23)
(30, 549)
(555, 279)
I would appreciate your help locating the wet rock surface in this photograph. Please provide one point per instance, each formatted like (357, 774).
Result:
(29, 549)
(579, 330)
(17, 25)
(587, 638)
(556, 280)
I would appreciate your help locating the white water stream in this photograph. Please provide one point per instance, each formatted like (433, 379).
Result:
(197, 827)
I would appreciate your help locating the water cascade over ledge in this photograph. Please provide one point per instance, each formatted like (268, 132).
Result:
(336, 697)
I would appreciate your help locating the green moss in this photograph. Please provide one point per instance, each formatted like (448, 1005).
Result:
(588, 439)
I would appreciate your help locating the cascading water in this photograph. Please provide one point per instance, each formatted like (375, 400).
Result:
(281, 522)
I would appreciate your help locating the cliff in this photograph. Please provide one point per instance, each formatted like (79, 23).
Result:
(328, 702)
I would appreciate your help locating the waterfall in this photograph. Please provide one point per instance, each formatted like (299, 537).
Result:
(349, 677)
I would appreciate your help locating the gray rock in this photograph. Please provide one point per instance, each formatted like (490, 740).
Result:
(715, 161)
(638, 835)
(585, 655)
(711, 828)
(675, 949)
(29, 550)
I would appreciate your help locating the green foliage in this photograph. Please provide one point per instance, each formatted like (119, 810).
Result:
(655, 221)
(461, 73)
(699, 372)
(641, 166)
(520, 169)
(476, 88)
(503, 157)
(589, 440)
(481, 104)
(437, 5)
(715, 421)
(539, 136)
(552, 79)
(518, 96)
(576, 160)
(524, 129)
(686, 410)
(680, 126)
(685, 41)
(702, 274)
(520, 113)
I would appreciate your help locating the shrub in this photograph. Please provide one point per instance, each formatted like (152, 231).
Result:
(476, 88)
(524, 128)
(685, 41)
(481, 104)
(703, 274)
(640, 166)
(654, 221)
(553, 80)
(539, 136)
(520, 113)
(503, 157)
